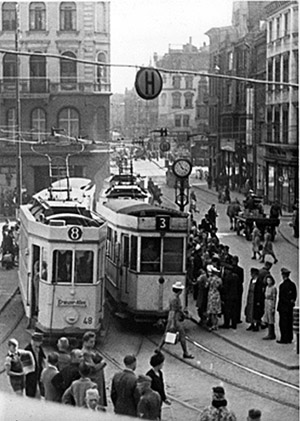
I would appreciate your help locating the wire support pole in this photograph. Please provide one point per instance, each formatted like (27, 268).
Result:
(18, 115)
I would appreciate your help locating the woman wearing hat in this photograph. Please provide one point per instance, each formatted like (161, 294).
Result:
(175, 319)
(14, 367)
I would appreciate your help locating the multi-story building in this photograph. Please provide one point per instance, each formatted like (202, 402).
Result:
(282, 102)
(39, 92)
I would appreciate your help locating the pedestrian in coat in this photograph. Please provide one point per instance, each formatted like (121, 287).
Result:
(93, 358)
(62, 380)
(286, 303)
(51, 393)
(268, 248)
(295, 220)
(124, 394)
(255, 301)
(239, 271)
(14, 367)
(77, 391)
(270, 306)
(176, 318)
(230, 212)
(214, 307)
(218, 410)
(212, 215)
(149, 405)
(202, 292)
(63, 349)
(256, 242)
(156, 375)
(230, 297)
(34, 387)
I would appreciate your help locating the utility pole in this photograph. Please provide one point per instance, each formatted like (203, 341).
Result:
(18, 117)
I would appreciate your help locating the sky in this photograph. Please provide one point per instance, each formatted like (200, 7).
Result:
(139, 28)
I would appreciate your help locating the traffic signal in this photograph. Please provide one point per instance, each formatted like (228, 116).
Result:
(163, 132)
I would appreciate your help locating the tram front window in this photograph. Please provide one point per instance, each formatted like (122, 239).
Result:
(62, 266)
(150, 254)
(84, 261)
(173, 255)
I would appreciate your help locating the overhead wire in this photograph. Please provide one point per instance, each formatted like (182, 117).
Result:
(160, 69)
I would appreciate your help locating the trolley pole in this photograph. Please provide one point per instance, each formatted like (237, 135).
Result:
(18, 119)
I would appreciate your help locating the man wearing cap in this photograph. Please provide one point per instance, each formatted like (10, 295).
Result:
(286, 303)
(218, 410)
(254, 415)
(149, 405)
(34, 387)
(175, 319)
(124, 395)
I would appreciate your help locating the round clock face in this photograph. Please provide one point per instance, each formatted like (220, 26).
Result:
(182, 167)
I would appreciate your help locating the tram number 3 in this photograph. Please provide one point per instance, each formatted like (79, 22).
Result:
(88, 320)
(162, 223)
(75, 233)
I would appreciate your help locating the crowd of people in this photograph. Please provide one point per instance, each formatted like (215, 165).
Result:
(216, 279)
(10, 244)
(76, 377)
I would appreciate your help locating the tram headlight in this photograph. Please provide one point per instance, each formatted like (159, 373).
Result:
(71, 316)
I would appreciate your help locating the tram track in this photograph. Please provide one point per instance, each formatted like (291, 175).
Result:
(260, 380)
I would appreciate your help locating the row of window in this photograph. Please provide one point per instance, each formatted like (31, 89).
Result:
(176, 82)
(68, 119)
(37, 65)
(279, 27)
(177, 98)
(278, 124)
(158, 254)
(37, 16)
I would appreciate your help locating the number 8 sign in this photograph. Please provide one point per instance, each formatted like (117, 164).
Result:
(75, 233)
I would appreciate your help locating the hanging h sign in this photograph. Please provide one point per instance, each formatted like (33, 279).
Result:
(148, 83)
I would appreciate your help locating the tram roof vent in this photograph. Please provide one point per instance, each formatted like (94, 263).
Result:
(57, 223)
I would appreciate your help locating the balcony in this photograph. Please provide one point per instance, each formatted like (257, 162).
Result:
(42, 87)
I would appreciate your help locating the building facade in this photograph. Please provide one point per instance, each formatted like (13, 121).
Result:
(44, 91)
(281, 146)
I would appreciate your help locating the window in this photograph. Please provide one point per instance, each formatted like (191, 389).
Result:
(176, 99)
(177, 120)
(189, 82)
(125, 249)
(101, 70)
(133, 253)
(68, 16)
(68, 71)
(278, 27)
(286, 24)
(229, 94)
(270, 31)
(62, 266)
(38, 124)
(68, 120)
(163, 100)
(150, 254)
(285, 123)
(84, 265)
(285, 68)
(185, 121)
(37, 16)
(11, 123)
(9, 67)
(277, 125)
(269, 125)
(176, 82)
(188, 100)
(9, 16)
(173, 255)
(230, 60)
(277, 71)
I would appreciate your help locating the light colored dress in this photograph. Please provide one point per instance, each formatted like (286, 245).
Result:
(214, 297)
(270, 304)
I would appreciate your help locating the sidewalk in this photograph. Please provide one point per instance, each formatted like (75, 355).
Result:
(284, 229)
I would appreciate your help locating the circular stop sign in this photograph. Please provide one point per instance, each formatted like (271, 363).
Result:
(148, 83)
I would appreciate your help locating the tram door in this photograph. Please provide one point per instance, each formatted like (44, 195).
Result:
(124, 262)
(35, 278)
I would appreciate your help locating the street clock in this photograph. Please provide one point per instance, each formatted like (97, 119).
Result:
(182, 167)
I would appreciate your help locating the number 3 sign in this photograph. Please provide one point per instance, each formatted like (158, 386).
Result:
(162, 223)
(75, 233)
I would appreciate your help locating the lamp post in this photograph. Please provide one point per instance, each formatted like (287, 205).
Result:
(18, 116)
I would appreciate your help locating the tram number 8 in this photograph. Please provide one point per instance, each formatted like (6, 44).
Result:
(88, 320)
